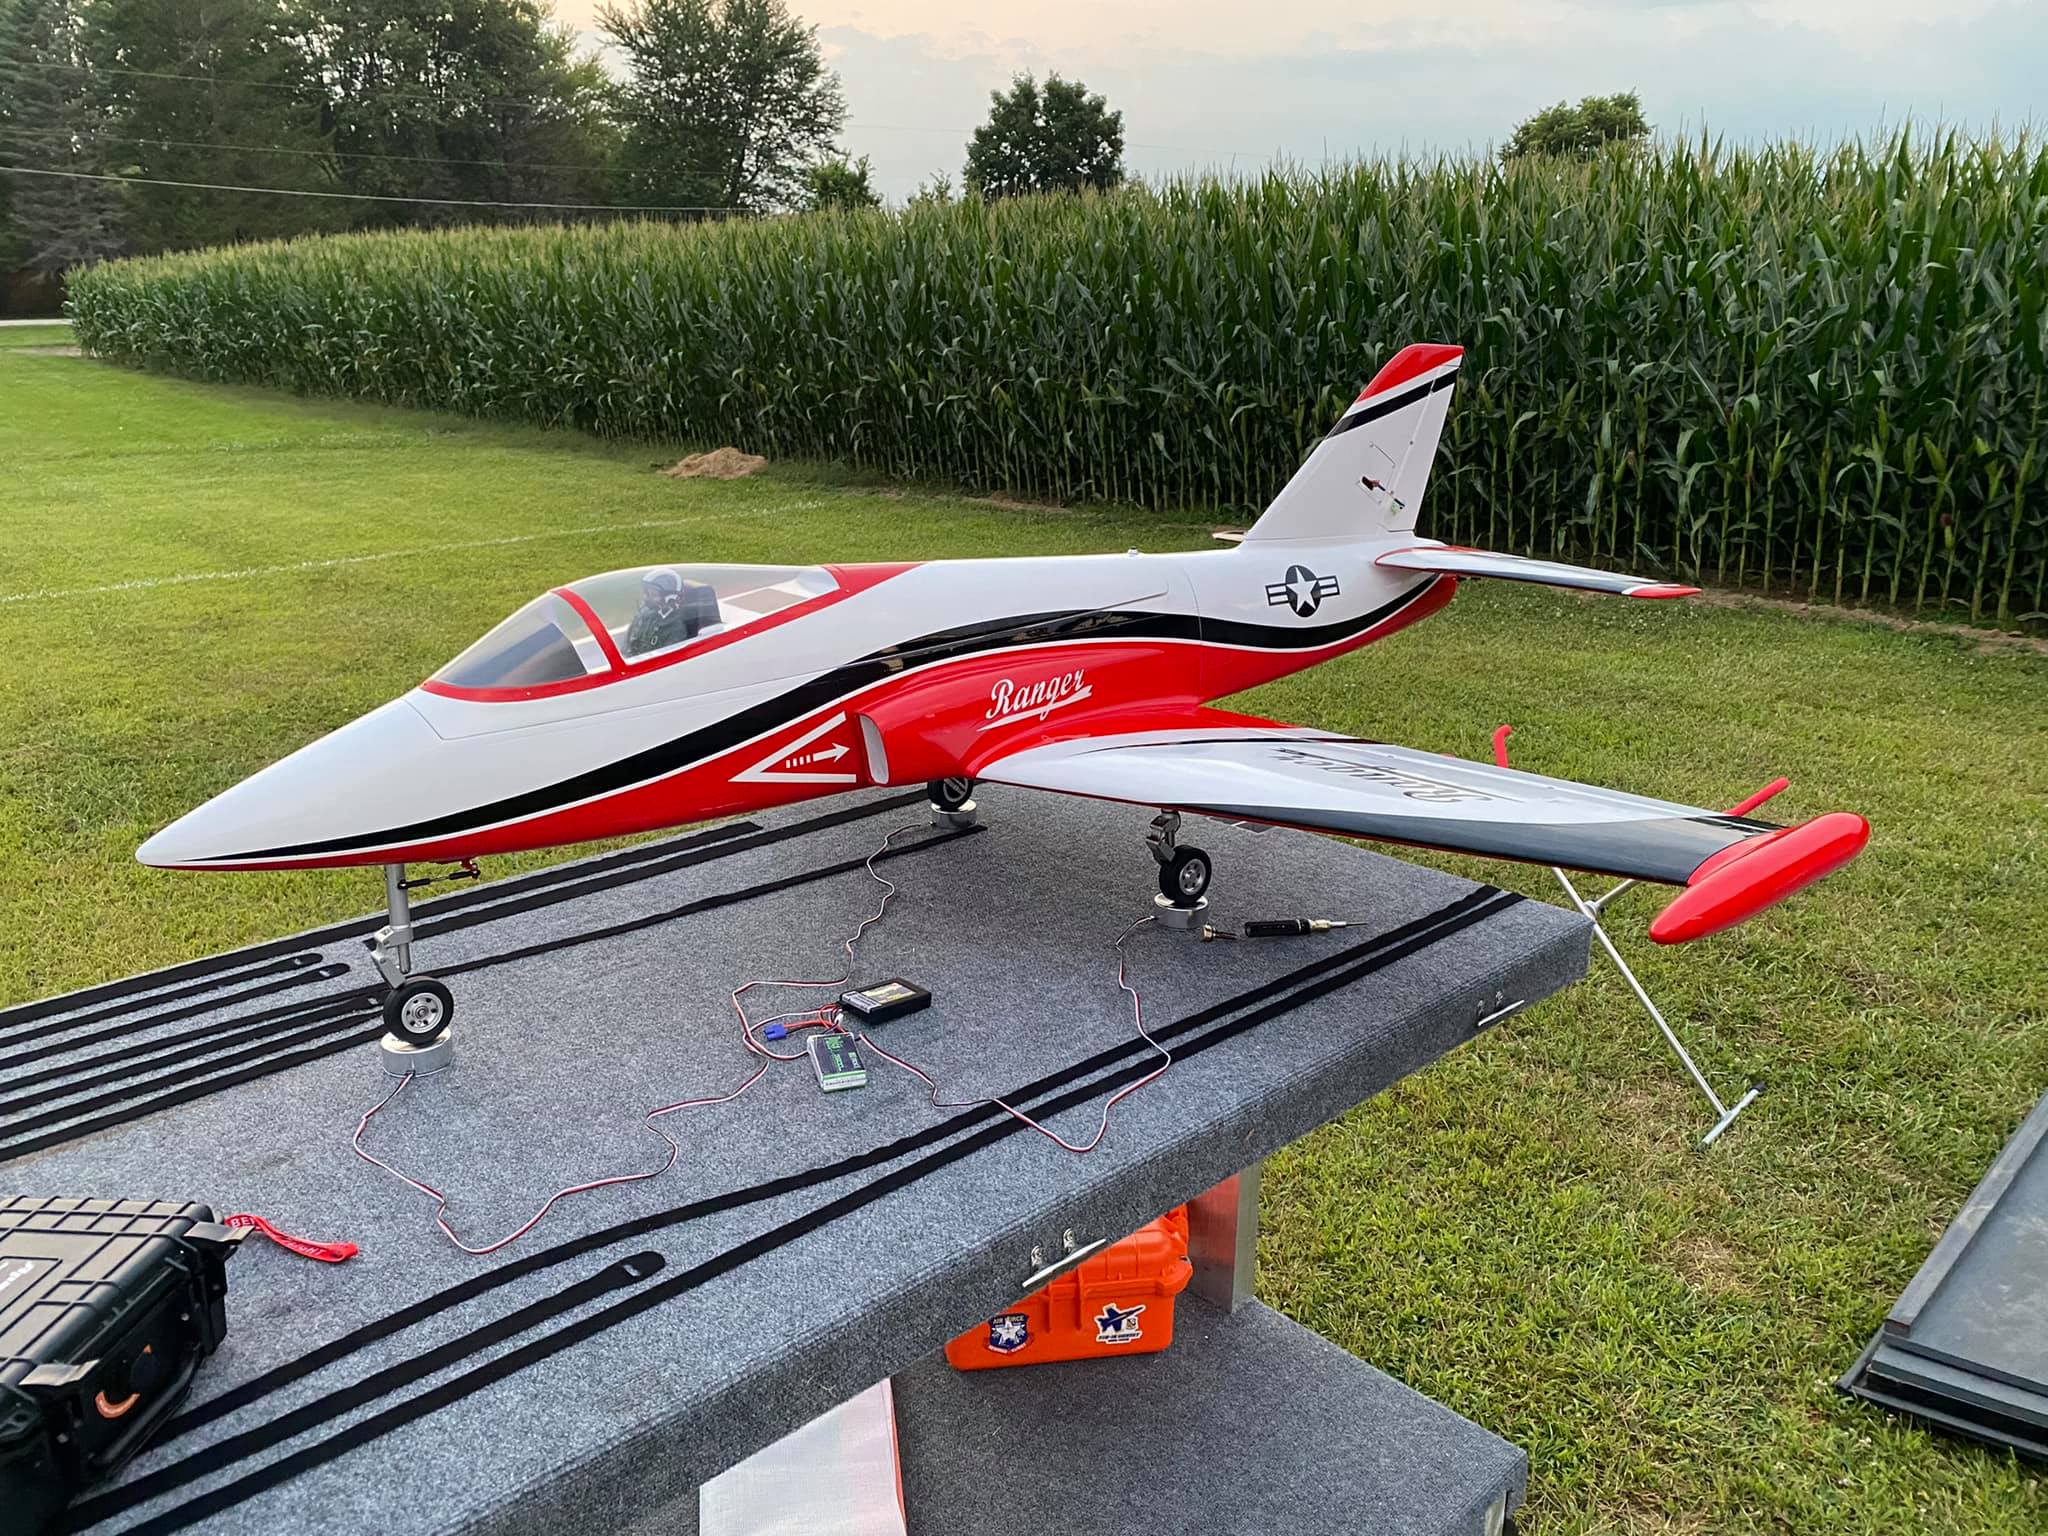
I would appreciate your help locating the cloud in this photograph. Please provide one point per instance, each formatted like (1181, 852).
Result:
(1200, 87)
(1741, 74)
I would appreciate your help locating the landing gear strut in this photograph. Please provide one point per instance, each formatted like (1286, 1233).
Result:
(1183, 872)
(417, 1009)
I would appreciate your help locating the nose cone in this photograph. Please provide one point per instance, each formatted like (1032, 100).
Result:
(345, 787)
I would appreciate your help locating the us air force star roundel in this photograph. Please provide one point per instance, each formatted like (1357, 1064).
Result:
(1302, 590)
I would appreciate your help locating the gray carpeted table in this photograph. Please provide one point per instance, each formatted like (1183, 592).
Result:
(646, 1336)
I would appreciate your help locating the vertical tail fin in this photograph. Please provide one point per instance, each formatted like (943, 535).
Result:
(1367, 477)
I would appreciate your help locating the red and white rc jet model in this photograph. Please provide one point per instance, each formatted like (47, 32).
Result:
(645, 699)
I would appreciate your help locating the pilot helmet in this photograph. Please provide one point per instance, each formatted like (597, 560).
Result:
(663, 580)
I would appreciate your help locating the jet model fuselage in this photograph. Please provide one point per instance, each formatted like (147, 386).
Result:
(794, 682)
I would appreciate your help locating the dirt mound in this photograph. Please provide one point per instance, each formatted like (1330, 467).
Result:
(718, 464)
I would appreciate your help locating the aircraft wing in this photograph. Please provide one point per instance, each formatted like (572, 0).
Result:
(1732, 866)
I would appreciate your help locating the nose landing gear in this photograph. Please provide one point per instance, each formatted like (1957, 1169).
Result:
(418, 1008)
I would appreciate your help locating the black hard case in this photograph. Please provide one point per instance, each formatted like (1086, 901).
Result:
(107, 1308)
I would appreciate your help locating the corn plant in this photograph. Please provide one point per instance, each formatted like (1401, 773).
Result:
(1814, 373)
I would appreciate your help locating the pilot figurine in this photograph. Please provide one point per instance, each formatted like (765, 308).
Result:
(661, 621)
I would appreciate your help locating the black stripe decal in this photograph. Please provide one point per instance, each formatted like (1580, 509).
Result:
(1278, 637)
(1392, 403)
(761, 719)
(1477, 907)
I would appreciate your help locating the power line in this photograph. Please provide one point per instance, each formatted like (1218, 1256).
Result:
(506, 101)
(316, 154)
(368, 197)
(280, 85)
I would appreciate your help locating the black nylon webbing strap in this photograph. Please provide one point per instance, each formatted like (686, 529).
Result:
(157, 998)
(696, 853)
(617, 1276)
(221, 971)
(214, 1031)
(1334, 974)
(250, 1391)
(122, 1066)
(707, 903)
(299, 977)
(182, 1047)
(220, 966)
(141, 1098)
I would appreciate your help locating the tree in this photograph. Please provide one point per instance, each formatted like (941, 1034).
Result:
(1582, 131)
(1058, 139)
(253, 120)
(466, 99)
(841, 183)
(51, 119)
(936, 190)
(728, 103)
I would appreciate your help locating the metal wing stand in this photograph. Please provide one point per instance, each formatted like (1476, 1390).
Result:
(1591, 910)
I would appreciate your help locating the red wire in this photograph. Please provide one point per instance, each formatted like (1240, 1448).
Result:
(1101, 1130)
(824, 1017)
(648, 1119)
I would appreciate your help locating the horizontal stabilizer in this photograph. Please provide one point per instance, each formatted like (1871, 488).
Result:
(1449, 560)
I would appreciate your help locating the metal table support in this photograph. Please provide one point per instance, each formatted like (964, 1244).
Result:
(1223, 1239)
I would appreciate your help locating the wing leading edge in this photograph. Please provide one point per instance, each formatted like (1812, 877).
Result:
(1732, 866)
(1450, 560)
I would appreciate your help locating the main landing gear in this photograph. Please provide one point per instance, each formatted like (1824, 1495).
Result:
(417, 1009)
(1183, 873)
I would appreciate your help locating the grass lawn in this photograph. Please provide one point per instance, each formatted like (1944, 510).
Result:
(195, 580)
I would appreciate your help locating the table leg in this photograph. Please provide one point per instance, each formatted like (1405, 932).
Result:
(1223, 1239)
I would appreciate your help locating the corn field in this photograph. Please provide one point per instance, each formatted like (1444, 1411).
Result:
(1818, 374)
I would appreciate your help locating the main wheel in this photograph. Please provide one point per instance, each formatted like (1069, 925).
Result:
(1184, 877)
(950, 794)
(419, 1011)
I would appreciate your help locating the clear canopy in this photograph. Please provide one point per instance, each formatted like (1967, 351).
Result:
(544, 642)
(647, 611)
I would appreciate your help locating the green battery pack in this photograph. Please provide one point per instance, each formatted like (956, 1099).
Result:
(836, 1062)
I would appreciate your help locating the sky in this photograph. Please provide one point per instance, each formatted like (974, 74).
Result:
(1230, 86)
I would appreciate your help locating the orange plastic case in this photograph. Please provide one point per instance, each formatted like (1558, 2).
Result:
(1118, 1303)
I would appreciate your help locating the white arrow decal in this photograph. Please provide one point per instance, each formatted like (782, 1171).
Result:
(777, 767)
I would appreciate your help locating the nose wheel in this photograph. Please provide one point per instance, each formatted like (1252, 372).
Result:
(417, 1010)
(1183, 872)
